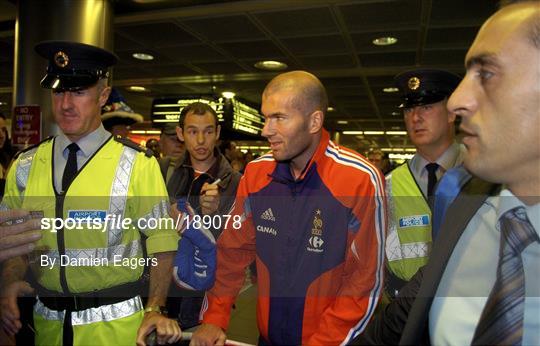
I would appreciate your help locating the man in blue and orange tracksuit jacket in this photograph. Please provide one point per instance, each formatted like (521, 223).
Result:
(313, 216)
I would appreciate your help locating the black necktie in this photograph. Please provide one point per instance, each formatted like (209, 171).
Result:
(71, 166)
(501, 322)
(432, 177)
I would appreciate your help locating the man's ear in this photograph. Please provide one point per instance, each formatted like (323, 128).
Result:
(316, 120)
(218, 131)
(104, 96)
(179, 133)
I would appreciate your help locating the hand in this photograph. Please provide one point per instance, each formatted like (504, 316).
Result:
(209, 199)
(167, 330)
(9, 311)
(208, 335)
(173, 211)
(17, 239)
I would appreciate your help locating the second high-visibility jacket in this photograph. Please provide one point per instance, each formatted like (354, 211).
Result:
(408, 240)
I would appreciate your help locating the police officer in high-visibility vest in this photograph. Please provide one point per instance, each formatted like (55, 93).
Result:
(410, 186)
(95, 195)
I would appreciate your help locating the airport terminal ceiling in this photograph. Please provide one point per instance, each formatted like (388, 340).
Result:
(211, 46)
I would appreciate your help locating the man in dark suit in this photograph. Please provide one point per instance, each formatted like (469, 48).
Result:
(481, 285)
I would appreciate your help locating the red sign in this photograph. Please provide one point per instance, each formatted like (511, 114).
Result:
(26, 125)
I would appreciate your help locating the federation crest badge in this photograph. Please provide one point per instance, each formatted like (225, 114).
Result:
(316, 241)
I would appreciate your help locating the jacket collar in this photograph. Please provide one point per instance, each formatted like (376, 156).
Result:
(282, 172)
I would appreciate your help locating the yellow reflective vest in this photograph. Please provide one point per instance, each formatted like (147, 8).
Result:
(408, 241)
(97, 248)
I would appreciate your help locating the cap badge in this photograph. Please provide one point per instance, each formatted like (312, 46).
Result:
(413, 83)
(61, 59)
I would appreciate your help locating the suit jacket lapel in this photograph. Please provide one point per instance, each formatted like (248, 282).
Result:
(470, 199)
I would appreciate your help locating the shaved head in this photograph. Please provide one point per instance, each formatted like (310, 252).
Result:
(307, 94)
(294, 105)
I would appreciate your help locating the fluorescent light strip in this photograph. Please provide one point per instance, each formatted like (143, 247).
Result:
(166, 105)
(394, 149)
(352, 132)
(145, 132)
(138, 88)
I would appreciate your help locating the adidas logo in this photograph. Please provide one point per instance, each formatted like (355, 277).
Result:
(268, 215)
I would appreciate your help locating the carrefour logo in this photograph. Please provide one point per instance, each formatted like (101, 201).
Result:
(315, 244)
(414, 221)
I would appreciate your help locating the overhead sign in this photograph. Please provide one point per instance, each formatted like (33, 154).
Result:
(26, 125)
(246, 119)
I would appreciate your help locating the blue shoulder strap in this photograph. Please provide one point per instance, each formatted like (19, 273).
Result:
(447, 190)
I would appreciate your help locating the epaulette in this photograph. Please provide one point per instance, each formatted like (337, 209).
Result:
(31, 147)
(129, 143)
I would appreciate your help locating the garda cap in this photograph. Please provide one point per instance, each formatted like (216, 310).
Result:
(74, 65)
(425, 86)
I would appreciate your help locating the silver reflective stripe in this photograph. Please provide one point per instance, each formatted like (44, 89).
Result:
(119, 192)
(390, 202)
(105, 313)
(23, 169)
(130, 250)
(396, 251)
(158, 214)
(415, 250)
(46, 313)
